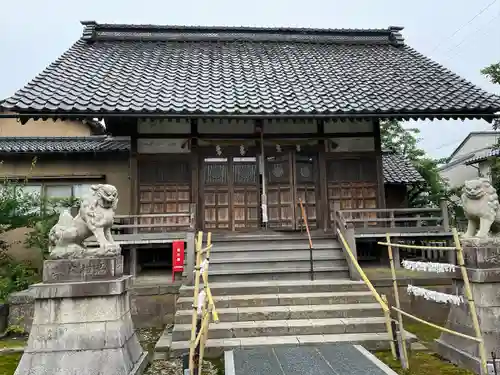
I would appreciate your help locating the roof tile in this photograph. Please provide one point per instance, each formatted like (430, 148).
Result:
(144, 69)
(398, 170)
(62, 144)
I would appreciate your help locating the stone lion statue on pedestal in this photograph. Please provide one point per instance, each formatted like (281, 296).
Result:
(95, 218)
(481, 207)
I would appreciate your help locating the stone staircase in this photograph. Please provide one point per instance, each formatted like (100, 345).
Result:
(276, 257)
(285, 312)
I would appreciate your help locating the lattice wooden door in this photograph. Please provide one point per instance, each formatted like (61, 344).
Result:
(305, 188)
(164, 188)
(280, 192)
(352, 185)
(216, 206)
(245, 195)
(230, 193)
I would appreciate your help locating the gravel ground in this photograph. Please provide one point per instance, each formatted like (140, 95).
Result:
(148, 338)
(174, 367)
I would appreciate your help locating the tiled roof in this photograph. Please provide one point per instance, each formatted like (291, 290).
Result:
(172, 70)
(62, 144)
(482, 156)
(398, 170)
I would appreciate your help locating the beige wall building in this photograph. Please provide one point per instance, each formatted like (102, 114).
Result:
(61, 159)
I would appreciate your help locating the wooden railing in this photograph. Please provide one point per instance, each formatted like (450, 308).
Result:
(401, 222)
(392, 220)
(154, 223)
(304, 220)
(346, 231)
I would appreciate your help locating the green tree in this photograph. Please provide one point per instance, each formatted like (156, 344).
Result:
(492, 72)
(404, 141)
(17, 209)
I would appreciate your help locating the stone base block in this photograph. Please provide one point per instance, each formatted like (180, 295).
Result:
(463, 359)
(64, 270)
(76, 363)
(83, 327)
(95, 288)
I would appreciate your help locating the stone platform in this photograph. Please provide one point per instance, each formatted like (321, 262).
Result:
(82, 323)
(326, 359)
(482, 259)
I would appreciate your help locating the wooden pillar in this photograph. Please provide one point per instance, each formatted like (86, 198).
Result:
(324, 209)
(196, 192)
(351, 241)
(133, 261)
(396, 255)
(134, 177)
(380, 167)
(134, 193)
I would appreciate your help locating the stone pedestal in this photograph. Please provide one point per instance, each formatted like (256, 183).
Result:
(482, 258)
(82, 323)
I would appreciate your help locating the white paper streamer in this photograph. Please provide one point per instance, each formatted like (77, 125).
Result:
(201, 301)
(428, 266)
(202, 266)
(434, 296)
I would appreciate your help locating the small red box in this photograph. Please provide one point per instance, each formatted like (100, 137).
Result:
(177, 258)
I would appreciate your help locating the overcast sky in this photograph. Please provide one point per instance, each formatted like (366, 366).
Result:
(35, 33)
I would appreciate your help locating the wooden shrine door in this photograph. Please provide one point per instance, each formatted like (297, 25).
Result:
(165, 188)
(230, 193)
(352, 185)
(291, 176)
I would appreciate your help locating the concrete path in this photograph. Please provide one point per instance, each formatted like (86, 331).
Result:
(327, 359)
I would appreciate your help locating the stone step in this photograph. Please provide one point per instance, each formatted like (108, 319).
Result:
(215, 347)
(281, 274)
(282, 299)
(270, 266)
(227, 330)
(262, 269)
(275, 256)
(242, 314)
(274, 245)
(279, 287)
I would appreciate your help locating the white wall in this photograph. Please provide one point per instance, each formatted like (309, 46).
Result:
(475, 143)
(456, 172)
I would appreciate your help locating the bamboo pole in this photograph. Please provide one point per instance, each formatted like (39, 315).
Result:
(404, 353)
(388, 325)
(211, 302)
(206, 303)
(419, 247)
(443, 329)
(470, 300)
(361, 272)
(192, 347)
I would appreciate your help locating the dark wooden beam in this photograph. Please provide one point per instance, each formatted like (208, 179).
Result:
(196, 193)
(380, 168)
(134, 175)
(324, 211)
(255, 136)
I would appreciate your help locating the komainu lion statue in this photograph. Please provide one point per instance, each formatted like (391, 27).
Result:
(480, 203)
(95, 218)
